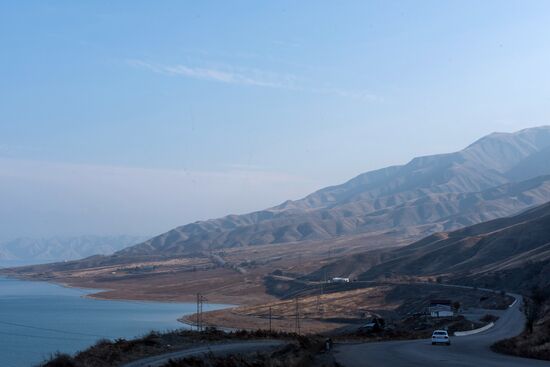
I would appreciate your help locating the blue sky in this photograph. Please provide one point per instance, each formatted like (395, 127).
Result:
(136, 116)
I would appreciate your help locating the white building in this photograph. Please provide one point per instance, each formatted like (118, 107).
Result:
(441, 308)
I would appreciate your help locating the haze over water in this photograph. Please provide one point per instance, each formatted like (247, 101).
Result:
(38, 319)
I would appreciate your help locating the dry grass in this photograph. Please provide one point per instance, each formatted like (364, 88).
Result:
(107, 353)
(529, 345)
(342, 309)
(316, 313)
(535, 344)
(239, 280)
(305, 353)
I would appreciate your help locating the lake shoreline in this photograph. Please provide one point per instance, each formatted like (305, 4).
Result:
(184, 319)
(65, 319)
(127, 295)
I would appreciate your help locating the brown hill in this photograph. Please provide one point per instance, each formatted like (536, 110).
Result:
(433, 193)
(511, 252)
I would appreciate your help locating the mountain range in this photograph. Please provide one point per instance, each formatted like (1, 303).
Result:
(479, 216)
(497, 176)
(26, 251)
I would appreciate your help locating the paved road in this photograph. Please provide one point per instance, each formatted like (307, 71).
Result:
(465, 351)
(218, 349)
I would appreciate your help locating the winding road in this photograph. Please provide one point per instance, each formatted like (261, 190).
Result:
(472, 350)
(217, 349)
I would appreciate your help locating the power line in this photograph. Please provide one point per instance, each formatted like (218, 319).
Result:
(42, 337)
(51, 330)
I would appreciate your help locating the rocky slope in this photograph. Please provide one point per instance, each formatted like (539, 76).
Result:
(432, 193)
(512, 253)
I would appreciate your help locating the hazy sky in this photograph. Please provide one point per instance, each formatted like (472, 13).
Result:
(136, 116)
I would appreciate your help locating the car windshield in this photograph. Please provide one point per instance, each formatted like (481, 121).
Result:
(440, 333)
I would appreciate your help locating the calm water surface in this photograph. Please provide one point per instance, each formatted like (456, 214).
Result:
(38, 319)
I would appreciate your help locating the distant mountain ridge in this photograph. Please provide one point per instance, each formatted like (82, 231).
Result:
(498, 175)
(39, 250)
(491, 161)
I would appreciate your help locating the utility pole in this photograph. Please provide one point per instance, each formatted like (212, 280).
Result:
(198, 311)
(200, 302)
(203, 299)
(322, 286)
(297, 326)
(270, 319)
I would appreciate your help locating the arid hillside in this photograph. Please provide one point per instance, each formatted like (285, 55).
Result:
(429, 194)
(351, 230)
(513, 252)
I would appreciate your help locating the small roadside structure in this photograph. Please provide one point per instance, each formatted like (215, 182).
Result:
(340, 280)
(441, 308)
(374, 324)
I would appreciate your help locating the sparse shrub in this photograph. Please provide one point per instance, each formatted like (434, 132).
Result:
(60, 360)
(539, 295)
(489, 318)
(102, 343)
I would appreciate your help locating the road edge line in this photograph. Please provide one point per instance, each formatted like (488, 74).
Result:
(475, 331)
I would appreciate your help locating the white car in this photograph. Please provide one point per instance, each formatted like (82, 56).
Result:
(441, 336)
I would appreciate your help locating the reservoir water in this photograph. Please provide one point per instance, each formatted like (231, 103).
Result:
(38, 319)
